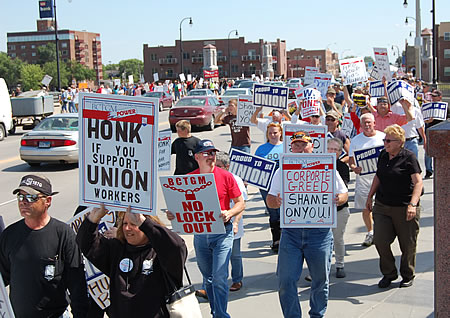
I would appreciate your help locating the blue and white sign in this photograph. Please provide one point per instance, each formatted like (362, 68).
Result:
(164, 150)
(270, 96)
(322, 82)
(436, 110)
(255, 170)
(45, 9)
(376, 89)
(367, 159)
(400, 90)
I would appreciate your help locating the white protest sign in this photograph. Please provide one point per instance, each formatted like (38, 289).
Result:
(353, 70)
(347, 126)
(376, 88)
(436, 110)
(182, 77)
(310, 71)
(200, 81)
(194, 202)
(245, 110)
(382, 63)
(97, 282)
(130, 79)
(165, 88)
(158, 88)
(46, 80)
(6, 310)
(155, 77)
(164, 149)
(116, 82)
(309, 102)
(374, 73)
(398, 90)
(189, 77)
(307, 190)
(318, 134)
(118, 155)
(321, 83)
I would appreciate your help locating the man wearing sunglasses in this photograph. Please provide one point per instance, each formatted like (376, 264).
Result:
(39, 257)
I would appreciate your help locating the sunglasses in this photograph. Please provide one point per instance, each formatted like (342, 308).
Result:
(30, 198)
(330, 119)
(209, 153)
(388, 141)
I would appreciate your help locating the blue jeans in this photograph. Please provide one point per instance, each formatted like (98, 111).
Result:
(428, 163)
(413, 145)
(237, 272)
(296, 245)
(274, 214)
(241, 148)
(64, 107)
(213, 253)
(72, 107)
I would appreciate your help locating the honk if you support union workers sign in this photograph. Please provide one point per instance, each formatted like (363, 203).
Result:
(117, 161)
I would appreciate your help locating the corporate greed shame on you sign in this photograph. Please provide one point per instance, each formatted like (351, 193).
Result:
(254, 170)
(307, 191)
(118, 151)
(367, 159)
(436, 110)
(270, 96)
(194, 202)
(318, 134)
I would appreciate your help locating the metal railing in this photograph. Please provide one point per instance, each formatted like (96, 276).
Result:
(169, 60)
(251, 57)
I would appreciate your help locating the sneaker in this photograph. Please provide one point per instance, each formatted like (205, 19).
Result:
(428, 174)
(406, 283)
(368, 240)
(308, 278)
(385, 282)
(340, 273)
(201, 293)
(236, 286)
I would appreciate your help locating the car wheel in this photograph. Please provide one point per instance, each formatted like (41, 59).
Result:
(34, 164)
(161, 107)
(211, 124)
(2, 132)
(173, 128)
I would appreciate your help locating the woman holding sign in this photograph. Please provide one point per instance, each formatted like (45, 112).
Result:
(398, 187)
(272, 150)
(136, 261)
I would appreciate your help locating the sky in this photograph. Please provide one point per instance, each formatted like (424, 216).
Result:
(348, 27)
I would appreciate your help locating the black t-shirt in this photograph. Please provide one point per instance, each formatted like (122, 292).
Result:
(240, 135)
(396, 184)
(40, 265)
(184, 150)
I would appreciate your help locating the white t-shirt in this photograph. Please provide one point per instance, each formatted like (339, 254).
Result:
(262, 124)
(360, 142)
(241, 186)
(275, 187)
(411, 127)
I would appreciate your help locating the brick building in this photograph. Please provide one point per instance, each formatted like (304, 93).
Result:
(234, 54)
(327, 61)
(81, 46)
(443, 52)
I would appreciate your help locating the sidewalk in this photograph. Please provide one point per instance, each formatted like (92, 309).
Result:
(357, 295)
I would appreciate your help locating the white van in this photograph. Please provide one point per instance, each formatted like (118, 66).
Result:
(6, 122)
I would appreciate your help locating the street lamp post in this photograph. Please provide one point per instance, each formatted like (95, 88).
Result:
(229, 55)
(433, 10)
(417, 40)
(398, 53)
(57, 49)
(181, 42)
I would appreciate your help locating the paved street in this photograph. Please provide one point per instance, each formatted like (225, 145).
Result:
(357, 295)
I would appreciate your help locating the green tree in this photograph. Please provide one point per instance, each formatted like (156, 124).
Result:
(131, 67)
(31, 76)
(10, 69)
(368, 59)
(47, 53)
(80, 72)
(49, 68)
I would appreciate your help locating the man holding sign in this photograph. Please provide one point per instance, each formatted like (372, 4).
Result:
(297, 244)
(213, 251)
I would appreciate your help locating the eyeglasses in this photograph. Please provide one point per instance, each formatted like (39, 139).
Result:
(209, 153)
(30, 198)
(388, 141)
(330, 119)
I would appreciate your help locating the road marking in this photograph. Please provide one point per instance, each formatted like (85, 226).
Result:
(7, 202)
(9, 160)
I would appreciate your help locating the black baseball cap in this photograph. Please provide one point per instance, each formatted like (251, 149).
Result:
(205, 145)
(33, 184)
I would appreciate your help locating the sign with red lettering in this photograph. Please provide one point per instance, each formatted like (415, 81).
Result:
(194, 202)
(309, 100)
(318, 134)
(118, 157)
(307, 191)
(210, 74)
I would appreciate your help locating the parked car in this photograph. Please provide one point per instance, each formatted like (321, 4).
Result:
(292, 88)
(54, 140)
(295, 81)
(247, 84)
(201, 92)
(201, 111)
(233, 93)
(165, 99)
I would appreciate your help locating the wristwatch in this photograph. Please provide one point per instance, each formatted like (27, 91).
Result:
(412, 204)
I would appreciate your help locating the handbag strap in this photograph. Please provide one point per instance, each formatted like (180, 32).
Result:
(170, 285)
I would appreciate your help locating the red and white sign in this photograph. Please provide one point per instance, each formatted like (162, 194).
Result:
(321, 83)
(310, 71)
(307, 191)
(382, 63)
(353, 70)
(194, 202)
(117, 156)
(210, 74)
(309, 101)
(318, 134)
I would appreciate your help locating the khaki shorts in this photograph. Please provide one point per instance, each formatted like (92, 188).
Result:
(360, 200)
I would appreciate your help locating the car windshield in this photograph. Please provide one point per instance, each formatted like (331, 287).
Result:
(292, 85)
(192, 102)
(197, 93)
(58, 123)
(246, 84)
(235, 92)
(153, 94)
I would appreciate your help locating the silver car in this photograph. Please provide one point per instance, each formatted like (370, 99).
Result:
(54, 140)
(233, 93)
(201, 92)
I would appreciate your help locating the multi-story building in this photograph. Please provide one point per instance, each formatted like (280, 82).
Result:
(443, 52)
(326, 60)
(81, 46)
(235, 58)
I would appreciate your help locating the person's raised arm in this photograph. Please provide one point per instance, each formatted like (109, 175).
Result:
(407, 108)
(254, 120)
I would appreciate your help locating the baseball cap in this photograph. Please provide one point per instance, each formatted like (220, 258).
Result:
(436, 93)
(33, 184)
(332, 113)
(331, 90)
(300, 136)
(382, 100)
(205, 145)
